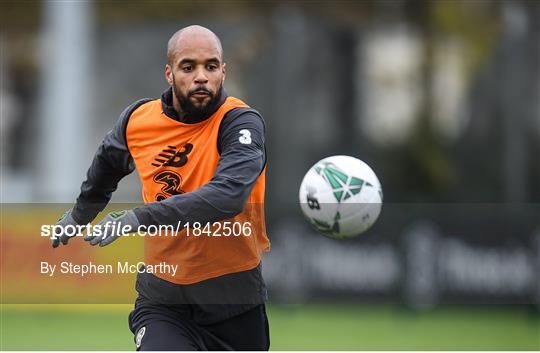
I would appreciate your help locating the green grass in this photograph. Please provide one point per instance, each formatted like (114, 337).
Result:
(393, 328)
(62, 328)
(308, 327)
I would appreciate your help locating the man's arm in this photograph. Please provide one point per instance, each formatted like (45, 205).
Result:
(111, 163)
(241, 162)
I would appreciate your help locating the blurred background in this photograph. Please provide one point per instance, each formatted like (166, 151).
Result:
(440, 98)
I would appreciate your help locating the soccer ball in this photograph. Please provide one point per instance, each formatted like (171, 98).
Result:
(341, 196)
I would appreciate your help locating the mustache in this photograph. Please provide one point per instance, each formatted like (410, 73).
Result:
(200, 90)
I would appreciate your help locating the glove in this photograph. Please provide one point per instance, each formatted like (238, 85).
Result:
(112, 226)
(60, 235)
(76, 217)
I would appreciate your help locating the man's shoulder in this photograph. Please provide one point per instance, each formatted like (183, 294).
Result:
(238, 119)
(241, 114)
(136, 105)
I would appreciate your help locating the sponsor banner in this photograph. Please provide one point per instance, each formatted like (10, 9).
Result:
(419, 254)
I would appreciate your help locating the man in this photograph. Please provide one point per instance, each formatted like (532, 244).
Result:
(201, 158)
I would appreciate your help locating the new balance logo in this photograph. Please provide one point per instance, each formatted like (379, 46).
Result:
(171, 157)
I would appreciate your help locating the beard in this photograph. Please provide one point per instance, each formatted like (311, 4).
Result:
(193, 112)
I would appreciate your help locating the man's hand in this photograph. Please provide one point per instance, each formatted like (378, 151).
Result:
(60, 235)
(112, 227)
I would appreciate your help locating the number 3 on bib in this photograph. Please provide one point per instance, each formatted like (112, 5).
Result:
(245, 137)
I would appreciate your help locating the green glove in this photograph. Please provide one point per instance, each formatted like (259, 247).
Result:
(112, 226)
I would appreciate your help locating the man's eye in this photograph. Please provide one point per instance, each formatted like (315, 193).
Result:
(212, 67)
(187, 68)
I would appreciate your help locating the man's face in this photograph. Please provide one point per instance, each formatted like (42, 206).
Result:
(196, 74)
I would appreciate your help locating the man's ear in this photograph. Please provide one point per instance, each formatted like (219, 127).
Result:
(224, 70)
(169, 75)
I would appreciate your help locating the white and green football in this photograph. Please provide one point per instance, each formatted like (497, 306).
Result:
(341, 196)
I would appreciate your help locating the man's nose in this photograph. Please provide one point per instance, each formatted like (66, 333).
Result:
(200, 77)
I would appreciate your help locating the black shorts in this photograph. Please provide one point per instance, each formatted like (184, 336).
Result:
(171, 327)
